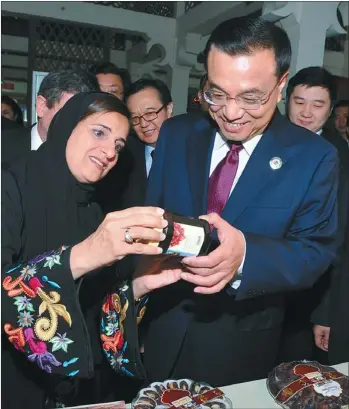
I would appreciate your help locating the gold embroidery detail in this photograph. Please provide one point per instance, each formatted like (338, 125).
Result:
(141, 314)
(45, 328)
(123, 316)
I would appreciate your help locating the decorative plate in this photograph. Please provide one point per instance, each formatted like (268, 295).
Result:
(180, 393)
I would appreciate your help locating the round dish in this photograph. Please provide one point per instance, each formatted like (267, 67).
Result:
(160, 395)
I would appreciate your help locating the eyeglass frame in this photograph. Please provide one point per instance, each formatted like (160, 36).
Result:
(147, 113)
(228, 97)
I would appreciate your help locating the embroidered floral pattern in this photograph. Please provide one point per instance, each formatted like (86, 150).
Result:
(61, 342)
(23, 303)
(114, 309)
(39, 311)
(25, 319)
(112, 331)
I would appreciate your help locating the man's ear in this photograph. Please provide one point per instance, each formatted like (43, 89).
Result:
(281, 86)
(169, 109)
(41, 106)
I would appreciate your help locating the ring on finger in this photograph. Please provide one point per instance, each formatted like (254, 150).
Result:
(128, 237)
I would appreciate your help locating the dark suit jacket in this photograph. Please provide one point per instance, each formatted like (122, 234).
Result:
(289, 219)
(15, 143)
(133, 159)
(333, 310)
(7, 124)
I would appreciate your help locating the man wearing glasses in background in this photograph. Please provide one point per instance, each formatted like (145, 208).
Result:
(150, 104)
(271, 187)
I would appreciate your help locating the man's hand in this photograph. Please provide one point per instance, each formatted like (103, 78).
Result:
(322, 337)
(213, 272)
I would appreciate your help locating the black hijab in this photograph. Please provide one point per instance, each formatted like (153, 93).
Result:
(59, 210)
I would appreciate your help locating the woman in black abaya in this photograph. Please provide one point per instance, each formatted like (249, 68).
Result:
(58, 255)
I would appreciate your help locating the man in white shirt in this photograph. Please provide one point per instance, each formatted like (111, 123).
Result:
(55, 90)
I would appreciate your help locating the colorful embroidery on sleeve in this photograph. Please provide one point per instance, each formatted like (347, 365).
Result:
(36, 333)
(114, 312)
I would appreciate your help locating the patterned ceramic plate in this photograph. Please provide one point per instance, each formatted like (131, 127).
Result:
(180, 393)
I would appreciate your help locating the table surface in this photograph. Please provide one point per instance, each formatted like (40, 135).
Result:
(255, 395)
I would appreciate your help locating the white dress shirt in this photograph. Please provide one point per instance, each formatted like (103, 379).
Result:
(148, 158)
(36, 141)
(220, 150)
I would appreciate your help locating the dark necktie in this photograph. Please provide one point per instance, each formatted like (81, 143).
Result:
(152, 153)
(222, 179)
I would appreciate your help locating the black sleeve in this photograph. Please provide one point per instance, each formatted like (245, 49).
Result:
(119, 331)
(40, 311)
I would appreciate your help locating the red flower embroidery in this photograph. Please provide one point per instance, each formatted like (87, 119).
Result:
(114, 343)
(15, 336)
(16, 287)
(178, 234)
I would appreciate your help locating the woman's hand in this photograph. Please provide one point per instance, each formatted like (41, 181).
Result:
(107, 244)
(155, 272)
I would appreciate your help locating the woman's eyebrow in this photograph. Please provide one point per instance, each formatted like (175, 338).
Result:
(104, 126)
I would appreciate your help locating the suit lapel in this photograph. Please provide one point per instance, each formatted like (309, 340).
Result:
(257, 172)
(199, 147)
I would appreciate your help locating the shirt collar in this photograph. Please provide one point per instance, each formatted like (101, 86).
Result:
(248, 146)
(319, 132)
(36, 141)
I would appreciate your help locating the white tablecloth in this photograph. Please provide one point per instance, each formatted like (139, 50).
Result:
(255, 395)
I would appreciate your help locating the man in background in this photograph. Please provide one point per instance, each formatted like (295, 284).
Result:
(112, 79)
(341, 114)
(310, 97)
(55, 90)
(150, 104)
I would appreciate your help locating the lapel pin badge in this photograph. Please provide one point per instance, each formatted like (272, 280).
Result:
(275, 163)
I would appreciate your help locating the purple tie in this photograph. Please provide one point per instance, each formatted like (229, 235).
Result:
(222, 179)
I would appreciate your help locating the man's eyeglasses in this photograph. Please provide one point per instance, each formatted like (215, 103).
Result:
(148, 116)
(219, 98)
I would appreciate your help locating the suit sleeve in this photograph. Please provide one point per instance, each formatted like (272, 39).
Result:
(321, 314)
(298, 260)
(41, 316)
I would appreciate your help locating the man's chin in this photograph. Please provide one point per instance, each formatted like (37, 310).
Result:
(238, 135)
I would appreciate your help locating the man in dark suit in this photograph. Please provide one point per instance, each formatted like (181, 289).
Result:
(150, 104)
(274, 186)
(310, 97)
(55, 90)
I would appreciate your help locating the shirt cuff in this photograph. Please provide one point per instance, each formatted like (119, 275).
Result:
(236, 281)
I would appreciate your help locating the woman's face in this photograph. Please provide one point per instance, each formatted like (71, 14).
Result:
(7, 112)
(94, 145)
